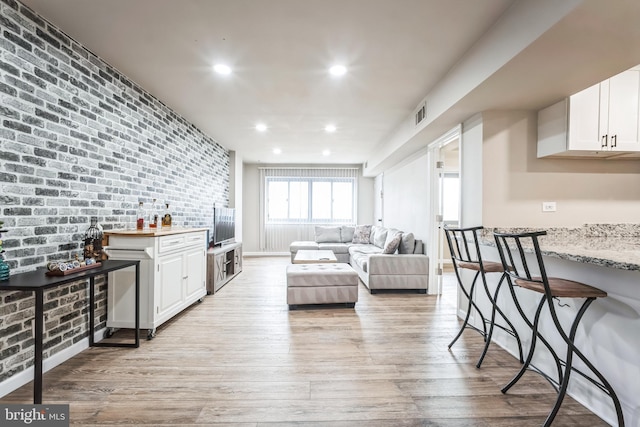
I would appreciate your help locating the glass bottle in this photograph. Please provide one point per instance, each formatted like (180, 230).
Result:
(166, 218)
(4, 270)
(140, 217)
(93, 240)
(4, 267)
(153, 217)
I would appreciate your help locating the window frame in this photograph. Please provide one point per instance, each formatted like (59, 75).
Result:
(309, 181)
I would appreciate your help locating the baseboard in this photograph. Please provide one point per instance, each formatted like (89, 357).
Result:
(18, 380)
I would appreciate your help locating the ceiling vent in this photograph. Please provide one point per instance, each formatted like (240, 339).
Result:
(420, 113)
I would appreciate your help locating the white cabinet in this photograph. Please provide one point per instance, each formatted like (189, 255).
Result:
(172, 275)
(600, 121)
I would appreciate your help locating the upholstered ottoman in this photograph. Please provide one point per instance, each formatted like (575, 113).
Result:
(321, 284)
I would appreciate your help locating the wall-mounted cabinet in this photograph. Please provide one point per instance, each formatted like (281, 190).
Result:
(602, 121)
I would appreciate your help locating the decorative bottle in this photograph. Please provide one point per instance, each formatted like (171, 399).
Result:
(93, 240)
(4, 267)
(140, 217)
(153, 217)
(166, 218)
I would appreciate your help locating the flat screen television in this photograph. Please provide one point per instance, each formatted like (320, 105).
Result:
(224, 225)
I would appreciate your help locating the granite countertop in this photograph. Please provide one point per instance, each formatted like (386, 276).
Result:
(150, 232)
(606, 245)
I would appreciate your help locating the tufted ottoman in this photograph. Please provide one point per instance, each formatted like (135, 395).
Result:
(321, 284)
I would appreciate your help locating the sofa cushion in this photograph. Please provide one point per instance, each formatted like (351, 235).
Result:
(392, 242)
(303, 246)
(364, 249)
(407, 244)
(346, 233)
(361, 260)
(337, 248)
(379, 236)
(327, 234)
(361, 234)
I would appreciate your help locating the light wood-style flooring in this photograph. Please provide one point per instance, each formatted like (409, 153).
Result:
(241, 358)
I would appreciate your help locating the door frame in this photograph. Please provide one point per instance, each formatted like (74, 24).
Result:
(435, 244)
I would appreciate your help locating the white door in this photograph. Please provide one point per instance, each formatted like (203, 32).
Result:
(170, 277)
(378, 195)
(195, 275)
(436, 244)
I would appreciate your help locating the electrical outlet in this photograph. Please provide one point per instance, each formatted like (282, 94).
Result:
(548, 206)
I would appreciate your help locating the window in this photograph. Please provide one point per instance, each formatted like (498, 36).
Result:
(310, 200)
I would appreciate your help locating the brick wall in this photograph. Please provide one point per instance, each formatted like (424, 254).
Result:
(79, 139)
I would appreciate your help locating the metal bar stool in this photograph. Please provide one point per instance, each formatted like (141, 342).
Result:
(465, 254)
(533, 276)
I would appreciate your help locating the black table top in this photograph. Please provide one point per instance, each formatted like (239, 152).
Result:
(37, 279)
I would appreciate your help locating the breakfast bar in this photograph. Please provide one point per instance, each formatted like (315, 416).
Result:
(604, 257)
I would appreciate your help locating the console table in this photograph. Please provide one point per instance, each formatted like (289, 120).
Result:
(37, 282)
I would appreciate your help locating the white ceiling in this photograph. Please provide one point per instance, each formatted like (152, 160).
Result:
(397, 51)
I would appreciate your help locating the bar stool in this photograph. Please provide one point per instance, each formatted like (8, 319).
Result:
(463, 257)
(512, 248)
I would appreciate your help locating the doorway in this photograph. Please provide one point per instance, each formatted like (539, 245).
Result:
(445, 196)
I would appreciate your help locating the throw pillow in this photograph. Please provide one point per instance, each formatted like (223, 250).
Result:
(327, 234)
(407, 244)
(391, 245)
(346, 233)
(361, 234)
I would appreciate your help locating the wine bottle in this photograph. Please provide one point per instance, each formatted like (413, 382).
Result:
(140, 216)
(153, 218)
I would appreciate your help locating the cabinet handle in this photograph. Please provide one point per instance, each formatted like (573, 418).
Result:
(604, 141)
(614, 141)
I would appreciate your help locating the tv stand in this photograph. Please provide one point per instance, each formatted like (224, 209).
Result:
(223, 264)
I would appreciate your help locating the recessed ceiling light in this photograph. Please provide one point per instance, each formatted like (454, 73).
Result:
(326, 153)
(222, 69)
(277, 151)
(261, 127)
(338, 70)
(330, 128)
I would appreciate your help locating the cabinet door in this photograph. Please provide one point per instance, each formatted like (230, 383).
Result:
(220, 271)
(624, 111)
(584, 120)
(170, 271)
(194, 272)
(238, 259)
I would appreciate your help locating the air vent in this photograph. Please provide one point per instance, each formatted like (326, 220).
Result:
(421, 113)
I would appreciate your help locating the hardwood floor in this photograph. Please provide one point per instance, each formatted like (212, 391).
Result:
(241, 358)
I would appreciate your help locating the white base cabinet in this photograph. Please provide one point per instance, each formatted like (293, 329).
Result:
(172, 275)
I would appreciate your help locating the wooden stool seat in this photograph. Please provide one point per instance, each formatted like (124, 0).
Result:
(562, 288)
(489, 266)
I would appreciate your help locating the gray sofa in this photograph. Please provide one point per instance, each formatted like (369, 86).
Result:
(403, 266)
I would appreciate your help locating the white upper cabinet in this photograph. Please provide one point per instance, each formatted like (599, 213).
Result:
(600, 121)
(623, 114)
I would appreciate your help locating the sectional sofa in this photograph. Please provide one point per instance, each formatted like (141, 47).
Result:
(384, 258)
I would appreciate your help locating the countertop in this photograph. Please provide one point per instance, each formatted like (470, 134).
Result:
(607, 245)
(150, 232)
